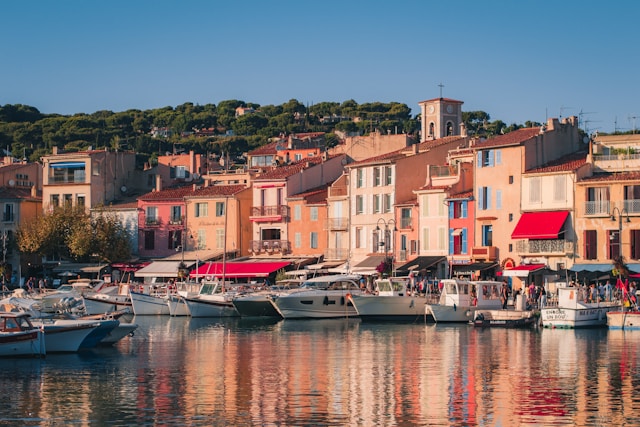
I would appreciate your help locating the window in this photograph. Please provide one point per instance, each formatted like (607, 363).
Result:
(405, 218)
(297, 240)
(458, 209)
(314, 240)
(176, 214)
(614, 243)
(458, 241)
(181, 172)
(534, 190)
(297, 212)
(635, 244)
(559, 188)
(220, 238)
(442, 232)
(358, 237)
(487, 235)
(388, 176)
(313, 213)
(149, 240)
(424, 205)
(201, 210)
(80, 200)
(359, 205)
(220, 209)
(590, 244)
(597, 201)
(68, 199)
(359, 178)
(425, 239)
(484, 198)
(442, 209)
(297, 157)
(632, 198)
(175, 239)
(377, 201)
(510, 179)
(498, 199)
(510, 217)
(8, 212)
(387, 203)
(376, 177)
(55, 200)
(202, 239)
(152, 215)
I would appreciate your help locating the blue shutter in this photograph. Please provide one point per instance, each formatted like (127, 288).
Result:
(463, 236)
(479, 162)
(498, 157)
(490, 157)
(463, 209)
(451, 241)
(451, 209)
(488, 198)
(498, 199)
(481, 198)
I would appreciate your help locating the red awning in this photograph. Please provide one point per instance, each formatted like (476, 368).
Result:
(522, 270)
(238, 269)
(540, 225)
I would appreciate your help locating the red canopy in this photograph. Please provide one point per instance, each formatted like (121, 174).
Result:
(238, 269)
(522, 270)
(540, 225)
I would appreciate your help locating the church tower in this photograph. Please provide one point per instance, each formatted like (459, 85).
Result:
(441, 117)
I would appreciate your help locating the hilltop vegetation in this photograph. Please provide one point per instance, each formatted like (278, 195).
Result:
(208, 128)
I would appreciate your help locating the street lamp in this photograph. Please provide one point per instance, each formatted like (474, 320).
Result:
(386, 242)
(619, 218)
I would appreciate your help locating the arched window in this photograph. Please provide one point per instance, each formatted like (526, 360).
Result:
(432, 129)
(449, 128)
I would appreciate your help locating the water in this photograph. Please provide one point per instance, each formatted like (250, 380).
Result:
(211, 372)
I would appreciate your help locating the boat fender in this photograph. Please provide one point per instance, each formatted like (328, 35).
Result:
(341, 300)
(455, 307)
(131, 333)
(326, 300)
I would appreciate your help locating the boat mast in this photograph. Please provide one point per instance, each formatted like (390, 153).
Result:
(224, 245)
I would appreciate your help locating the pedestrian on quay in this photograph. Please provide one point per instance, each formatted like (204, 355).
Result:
(505, 295)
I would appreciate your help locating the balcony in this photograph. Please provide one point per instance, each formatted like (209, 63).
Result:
(336, 254)
(277, 213)
(176, 221)
(270, 246)
(402, 255)
(632, 206)
(406, 223)
(152, 222)
(542, 247)
(337, 224)
(597, 208)
(485, 253)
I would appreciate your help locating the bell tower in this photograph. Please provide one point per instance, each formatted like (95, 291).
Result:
(440, 117)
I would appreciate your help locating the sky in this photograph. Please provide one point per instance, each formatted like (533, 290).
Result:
(517, 60)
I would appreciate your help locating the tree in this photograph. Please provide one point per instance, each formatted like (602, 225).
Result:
(103, 237)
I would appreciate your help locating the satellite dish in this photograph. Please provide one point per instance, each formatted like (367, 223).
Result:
(585, 139)
(11, 183)
(123, 188)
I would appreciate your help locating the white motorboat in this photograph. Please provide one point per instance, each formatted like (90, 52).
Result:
(108, 299)
(150, 299)
(18, 336)
(176, 302)
(321, 297)
(258, 303)
(459, 299)
(390, 301)
(628, 320)
(64, 337)
(212, 301)
(572, 311)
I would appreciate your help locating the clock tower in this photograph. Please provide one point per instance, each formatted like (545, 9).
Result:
(440, 117)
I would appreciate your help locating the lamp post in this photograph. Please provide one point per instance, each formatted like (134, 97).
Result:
(619, 218)
(386, 241)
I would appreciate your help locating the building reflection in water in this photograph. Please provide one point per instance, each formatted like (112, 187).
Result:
(180, 371)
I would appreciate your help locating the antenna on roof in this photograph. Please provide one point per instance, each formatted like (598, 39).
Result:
(634, 122)
(441, 86)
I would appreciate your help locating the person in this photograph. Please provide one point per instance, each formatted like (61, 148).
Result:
(543, 297)
(607, 291)
(505, 295)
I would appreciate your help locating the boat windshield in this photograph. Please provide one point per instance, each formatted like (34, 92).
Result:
(386, 285)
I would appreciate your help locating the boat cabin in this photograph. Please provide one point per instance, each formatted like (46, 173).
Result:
(14, 322)
(467, 293)
(391, 286)
(334, 282)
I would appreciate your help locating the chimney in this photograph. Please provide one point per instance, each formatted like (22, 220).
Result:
(34, 191)
(415, 148)
(158, 182)
(54, 150)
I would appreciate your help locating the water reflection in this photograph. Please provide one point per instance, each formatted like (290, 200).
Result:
(182, 371)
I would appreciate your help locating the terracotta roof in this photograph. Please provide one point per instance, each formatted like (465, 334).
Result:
(16, 193)
(412, 201)
(442, 99)
(179, 193)
(516, 137)
(567, 163)
(13, 166)
(269, 148)
(282, 172)
(217, 190)
(174, 193)
(618, 176)
(463, 195)
(313, 196)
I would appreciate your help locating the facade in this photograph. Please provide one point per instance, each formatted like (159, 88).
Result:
(176, 169)
(441, 117)
(307, 225)
(87, 178)
(338, 220)
(127, 214)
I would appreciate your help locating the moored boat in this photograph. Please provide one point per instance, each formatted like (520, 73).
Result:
(570, 310)
(459, 299)
(627, 320)
(150, 300)
(321, 297)
(212, 301)
(505, 318)
(18, 336)
(390, 301)
(62, 337)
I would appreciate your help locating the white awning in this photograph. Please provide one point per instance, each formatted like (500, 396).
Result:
(159, 269)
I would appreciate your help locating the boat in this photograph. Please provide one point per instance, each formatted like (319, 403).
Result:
(18, 336)
(108, 299)
(570, 310)
(150, 299)
(258, 303)
(175, 301)
(212, 301)
(390, 301)
(459, 299)
(627, 320)
(118, 333)
(64, 337)
(321, 297)
(505, 318)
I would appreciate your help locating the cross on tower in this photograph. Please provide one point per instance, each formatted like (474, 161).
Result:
(441, 86)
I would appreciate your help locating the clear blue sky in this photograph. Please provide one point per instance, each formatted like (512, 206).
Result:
(517, 60)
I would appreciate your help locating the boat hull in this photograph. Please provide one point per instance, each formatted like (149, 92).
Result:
(505, 318)
(119, 332)
(149, 305)
(203, 307)
(60, 338)
(255, 306)
(581, 317)
(396, 308)
(314, 305)
(98, 305)
(450, 313)
(177, 306)
(626, 320)
(23, 343)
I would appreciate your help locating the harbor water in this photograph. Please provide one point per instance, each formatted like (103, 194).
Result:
(343, 372)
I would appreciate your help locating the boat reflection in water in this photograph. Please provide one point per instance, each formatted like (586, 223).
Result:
(332, 372)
